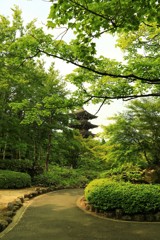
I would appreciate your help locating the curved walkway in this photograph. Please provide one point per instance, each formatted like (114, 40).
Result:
(55, 216)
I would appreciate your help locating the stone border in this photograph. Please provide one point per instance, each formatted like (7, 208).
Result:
(118, 214)
(7, 214)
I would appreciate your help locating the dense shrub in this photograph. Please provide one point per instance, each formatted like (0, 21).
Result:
(20, 165)
(15, 164)
(13, 180)
(89, 174)
(107, 195)
(126, 172)
(64, 178)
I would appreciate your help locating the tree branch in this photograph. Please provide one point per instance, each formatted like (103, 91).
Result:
(122, 97)
(89, 10)
(104, 100)
(130, 77)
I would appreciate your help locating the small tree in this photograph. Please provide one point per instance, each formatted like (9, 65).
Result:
(134, 136)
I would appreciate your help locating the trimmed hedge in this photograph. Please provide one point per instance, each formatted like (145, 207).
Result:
(107, 195)
(14, 180)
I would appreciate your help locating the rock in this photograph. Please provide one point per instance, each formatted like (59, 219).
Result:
(157, 216)
(138, 217)
(26, 199)
(30, 195)
(110, 214)
(40, 192)
(97, 210)
(150, 217)
(126, 217)
(87, 207)
(34, 194)
(26, 195)
(8, 219)
(92, 208)
(16, 207)
(10, 206)
(49, 189)
(21, 199)
(8, 213)
(3, 224)
(119, 213)
(18, 202)
(44, 190)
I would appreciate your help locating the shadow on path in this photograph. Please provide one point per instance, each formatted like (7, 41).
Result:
(55, 216)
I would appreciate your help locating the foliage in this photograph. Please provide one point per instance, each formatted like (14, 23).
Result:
(102, 15)
(13, 180)
(35, 104)
(91, 155)
(127, 172)
(77, 152)
(64, 178)
(21, 165)
(134, 134)
(16, 165)
(107, 195)
(135, 24)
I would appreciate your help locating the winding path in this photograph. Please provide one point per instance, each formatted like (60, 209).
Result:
(55, 216)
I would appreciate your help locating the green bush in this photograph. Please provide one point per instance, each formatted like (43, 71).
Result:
(126, 172)
(13, 180)
(107, 195)
(20, 165)
(64, 178)
(16, 164)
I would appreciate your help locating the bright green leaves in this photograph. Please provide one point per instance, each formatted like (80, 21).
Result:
(137, 24)
(134, 135)
(141, 49)
(107, 195)
(35, 102)
(93, 17)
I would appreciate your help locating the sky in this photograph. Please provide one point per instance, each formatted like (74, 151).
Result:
(39, 9)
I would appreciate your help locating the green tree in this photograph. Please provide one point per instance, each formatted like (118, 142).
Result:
(137, 26)
(134, 135)
(35, 103)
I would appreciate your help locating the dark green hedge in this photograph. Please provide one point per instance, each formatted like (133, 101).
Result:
(20, 165)
(13, 180)
(16, 164)
(106, 195)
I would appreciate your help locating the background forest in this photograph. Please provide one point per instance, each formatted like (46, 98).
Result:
(37, 110)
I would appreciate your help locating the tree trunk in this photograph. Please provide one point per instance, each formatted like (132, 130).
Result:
(48, 150)
(5, 147)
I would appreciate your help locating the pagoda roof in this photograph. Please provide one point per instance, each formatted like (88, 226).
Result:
(87, 134)
(83, 114)
(84, 125)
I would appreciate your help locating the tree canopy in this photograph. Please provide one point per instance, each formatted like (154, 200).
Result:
(136, 24)
(134, 134)
(35, 102)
